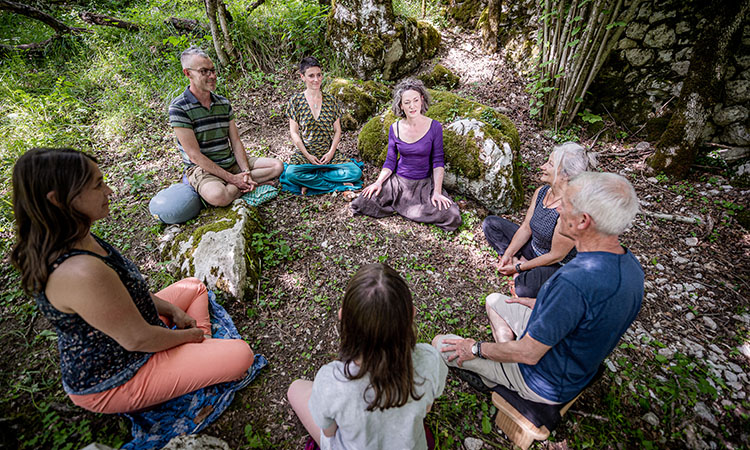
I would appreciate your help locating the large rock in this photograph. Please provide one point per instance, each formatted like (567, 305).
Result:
(360, 100)
(440, 76)
(217, 249)
(373, 40)
(481, 150)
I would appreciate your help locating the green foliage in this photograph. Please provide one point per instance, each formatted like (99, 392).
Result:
(589, 117)
(272, 248)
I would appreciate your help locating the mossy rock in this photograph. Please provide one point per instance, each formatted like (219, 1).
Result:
(375, 42)
(440, 76)
(216, 248)
(481, 149)
(467, 13)
(360, 100)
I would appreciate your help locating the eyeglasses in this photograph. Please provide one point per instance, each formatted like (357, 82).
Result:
(204, 72)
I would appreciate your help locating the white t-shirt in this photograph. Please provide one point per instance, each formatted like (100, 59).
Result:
(337, 399)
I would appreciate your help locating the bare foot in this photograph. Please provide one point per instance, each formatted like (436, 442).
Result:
(348, 184)
(349, 195)
(304, 191)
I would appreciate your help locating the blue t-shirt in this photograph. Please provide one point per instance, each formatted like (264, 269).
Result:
(581, 312)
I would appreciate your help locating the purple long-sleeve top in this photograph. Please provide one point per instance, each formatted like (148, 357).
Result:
(418, 158)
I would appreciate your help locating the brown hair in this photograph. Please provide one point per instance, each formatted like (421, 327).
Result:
(377, 327)
(409, 84)
(44, 230)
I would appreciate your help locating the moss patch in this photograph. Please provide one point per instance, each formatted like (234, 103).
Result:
(466, 13)
(440, 76)
(360, 100)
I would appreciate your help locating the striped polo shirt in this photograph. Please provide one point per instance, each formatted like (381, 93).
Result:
(211, 126)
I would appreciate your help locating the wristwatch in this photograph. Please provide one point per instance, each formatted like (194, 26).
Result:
(476, 349)
(518, 268)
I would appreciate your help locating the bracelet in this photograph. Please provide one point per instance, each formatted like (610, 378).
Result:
(518, 268)
(479, 350)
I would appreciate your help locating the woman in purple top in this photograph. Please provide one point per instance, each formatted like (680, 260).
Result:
(411, 185)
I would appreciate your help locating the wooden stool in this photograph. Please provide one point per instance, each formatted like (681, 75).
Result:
(524, 421)
(522, 431)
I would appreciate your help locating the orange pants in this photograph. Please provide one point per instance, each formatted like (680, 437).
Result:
(178, 370)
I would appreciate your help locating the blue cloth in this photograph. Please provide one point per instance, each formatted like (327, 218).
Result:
(194, 411)
(581, 312)
(321, 179)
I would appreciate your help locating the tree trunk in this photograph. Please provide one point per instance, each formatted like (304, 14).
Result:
(678, 145)
(212, 7)
(491, 26)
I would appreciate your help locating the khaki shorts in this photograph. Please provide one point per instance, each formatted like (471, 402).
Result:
(197, 177)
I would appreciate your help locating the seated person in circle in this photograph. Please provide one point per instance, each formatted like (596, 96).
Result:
(315, 126)
(117, 350)
(549, 348)
(377, 394)
(536, 249)
(411, 185)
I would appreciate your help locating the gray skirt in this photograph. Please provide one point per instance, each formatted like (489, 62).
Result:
(410, 199)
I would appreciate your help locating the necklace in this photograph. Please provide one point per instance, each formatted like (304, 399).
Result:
(547, 203)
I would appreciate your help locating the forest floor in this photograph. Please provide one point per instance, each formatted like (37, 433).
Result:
(678, 379)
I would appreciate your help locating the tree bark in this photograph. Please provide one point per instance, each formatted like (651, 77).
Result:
(211, 9)
(491, 26)
(101, 19)
(678, 145)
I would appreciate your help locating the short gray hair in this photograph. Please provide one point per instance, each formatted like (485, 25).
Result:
(409, 84)
(608, 198)
(570, 160)
(191, 51)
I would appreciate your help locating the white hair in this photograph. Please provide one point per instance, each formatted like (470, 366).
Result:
(608, 198)
(189, 52)
(570, 159)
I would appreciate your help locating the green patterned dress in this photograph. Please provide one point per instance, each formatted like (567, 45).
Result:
(317, 135)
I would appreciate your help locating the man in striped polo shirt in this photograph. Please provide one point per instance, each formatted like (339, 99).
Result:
(207, 137)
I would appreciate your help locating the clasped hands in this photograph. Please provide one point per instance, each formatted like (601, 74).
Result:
(325, 159)
(243, 181)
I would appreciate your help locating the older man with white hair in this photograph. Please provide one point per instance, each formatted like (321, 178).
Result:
(548, 349)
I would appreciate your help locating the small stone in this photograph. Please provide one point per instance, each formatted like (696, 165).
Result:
(638, 56)
(471, 443)
(97, 446)
(196, 442)
(324, 244)
(611, 366)
(709, 322)
(715, 348)
(666, 352)
(691, 241)
(730, 376)
(689, 316)
(680, 260)
(652, 180)
(704, 413)
(735, 368)
(651, 419)
(681, 67)
(660, 267)
(731, 114)
(636, 30)
(643, 146)
(738, 91)
(660, 37)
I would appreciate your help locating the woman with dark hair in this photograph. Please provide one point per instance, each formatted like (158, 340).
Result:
(376, 395)
(532, 252)
(411, 181)
(121, 347)
(315, 127)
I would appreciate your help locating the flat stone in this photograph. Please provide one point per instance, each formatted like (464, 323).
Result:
(736, 134)
(638, 57)
(196, 442)
(643, 146)
(666, 352)
(726, 116)
(730, 376)
(738, 91)
(704, 413)
(682, 27)
(651, 419)
(626, 43)
(660, 267)
(735, 368)
(471, 443)
(636, 30)
(680, 260)
(734, 153)
(611, 366)
(709, 322)
(660, 37)
(691, 241)
(681, 67)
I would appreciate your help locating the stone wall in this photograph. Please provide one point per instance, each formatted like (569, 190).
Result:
(641, 80)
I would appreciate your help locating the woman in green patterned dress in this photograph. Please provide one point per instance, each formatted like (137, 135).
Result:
(315, 126)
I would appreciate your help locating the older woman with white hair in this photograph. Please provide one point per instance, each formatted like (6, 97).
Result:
(536, 249)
